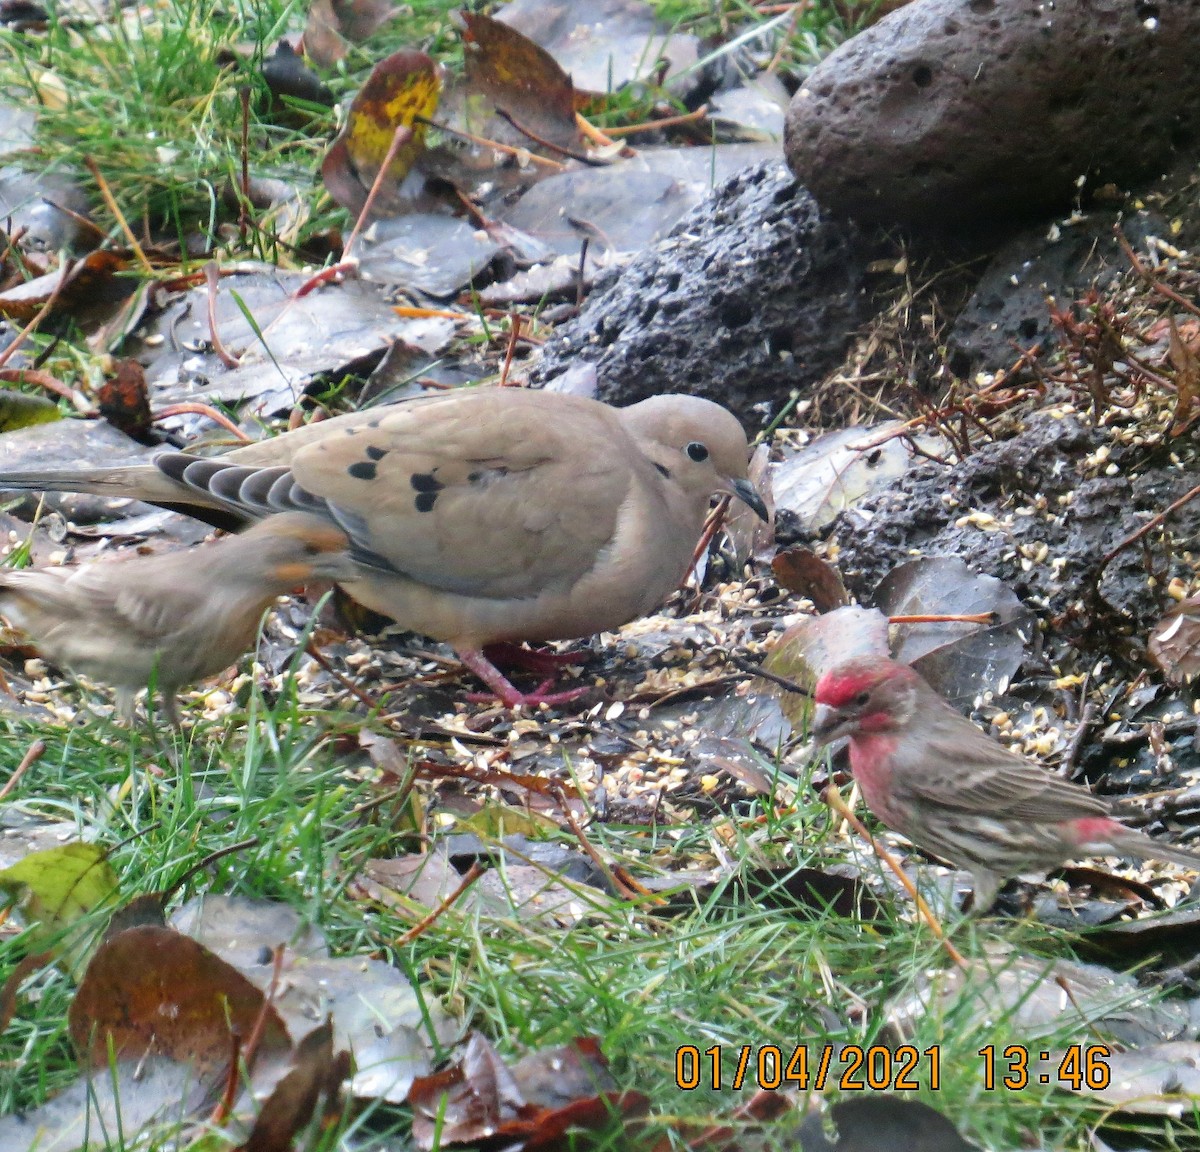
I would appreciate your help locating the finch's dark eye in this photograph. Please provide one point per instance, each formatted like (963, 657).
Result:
(863, 699)
(697, 451)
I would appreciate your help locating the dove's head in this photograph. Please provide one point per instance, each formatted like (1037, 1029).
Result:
(698, 444)
(291, 549)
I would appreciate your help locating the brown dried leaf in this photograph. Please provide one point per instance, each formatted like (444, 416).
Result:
(532, 1105)
(333, 25)
(152, 988)
(124, 400)
(1186, 363)
(802, 571)
(813, 645)
(522, 80)
(316, 1072)
(1174, 643)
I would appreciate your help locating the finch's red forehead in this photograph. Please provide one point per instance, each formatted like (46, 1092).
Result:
(839, 687)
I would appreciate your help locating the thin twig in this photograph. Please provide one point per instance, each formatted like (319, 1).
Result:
(51, 383)
(712, 525)
(542, 142)
(625, 891)
(833, 798)
(244, 148)
(118, 215)
(1087, 721)
(759, 670)
(483, 142)
(212, 858)
(42, 313)
(651, 125)
(473, 873)
(514, 334)
(1149, 526)
(353, 689)
(1146, 275)
(400, 137)
(596, 135)
(195, 408)
(946, 618)
(33, 754)
(212, 275)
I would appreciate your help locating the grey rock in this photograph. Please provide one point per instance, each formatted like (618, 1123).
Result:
(951, 112)
(1008, 312)
(913, 517)
(754, 293)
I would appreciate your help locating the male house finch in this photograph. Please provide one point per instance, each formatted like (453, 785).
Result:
(182, 615)
(930, 774)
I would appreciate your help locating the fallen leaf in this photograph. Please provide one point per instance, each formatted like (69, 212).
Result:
(531, 1105)
(316, 1072)
(1174, 643)
(521, 80)
(871, 1123)
(57, 888)
(401, 92)
(802, 571)
(124, 400)
(154, 989)
(960, 660)
(19, 410)
(334, 25)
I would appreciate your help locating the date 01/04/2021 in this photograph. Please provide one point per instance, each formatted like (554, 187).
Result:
(878, 1068)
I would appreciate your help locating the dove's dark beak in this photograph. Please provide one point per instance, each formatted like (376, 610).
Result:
(748, 495)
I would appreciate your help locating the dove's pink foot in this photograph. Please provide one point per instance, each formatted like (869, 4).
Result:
(505, 691)
(541, 660)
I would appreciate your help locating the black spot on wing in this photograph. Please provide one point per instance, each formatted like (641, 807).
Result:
(425, 501)
(485, 476)
(663, 471)
(362, 470)
(426, 482)
(374, 453)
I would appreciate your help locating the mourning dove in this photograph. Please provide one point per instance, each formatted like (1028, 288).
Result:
(481, 515)
(180, 616)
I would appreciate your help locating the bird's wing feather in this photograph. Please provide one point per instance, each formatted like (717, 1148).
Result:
(148, 612)
(990, 777)
(487, 501)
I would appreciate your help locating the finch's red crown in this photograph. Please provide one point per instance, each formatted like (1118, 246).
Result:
(839, 687)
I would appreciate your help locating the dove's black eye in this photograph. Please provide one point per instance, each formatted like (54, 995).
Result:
(696, 451)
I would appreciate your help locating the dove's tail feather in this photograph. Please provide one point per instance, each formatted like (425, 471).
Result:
(134, 481)
(140, 481)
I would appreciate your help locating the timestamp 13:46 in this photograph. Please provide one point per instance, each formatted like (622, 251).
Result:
(1077, 1067)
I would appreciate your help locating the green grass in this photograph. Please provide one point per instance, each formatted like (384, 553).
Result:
(723, 969)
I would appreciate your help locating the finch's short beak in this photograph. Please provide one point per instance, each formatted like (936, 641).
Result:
(824, 724)
(748, 495)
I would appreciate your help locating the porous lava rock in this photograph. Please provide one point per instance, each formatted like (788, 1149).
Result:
(754, 293)
(1008, 311)
(1039, 492)
(973, 112)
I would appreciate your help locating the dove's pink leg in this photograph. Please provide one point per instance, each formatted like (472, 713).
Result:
(507, 692)
(543, 660)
